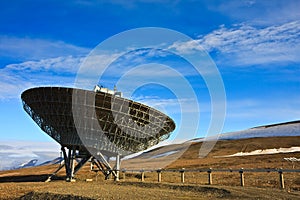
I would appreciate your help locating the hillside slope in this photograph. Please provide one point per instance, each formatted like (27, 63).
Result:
(187, 155)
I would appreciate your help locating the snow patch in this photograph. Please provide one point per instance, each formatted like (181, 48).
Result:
(265, 151)
(13, 154)
(165, 154)
(292, 159)
(276, 130)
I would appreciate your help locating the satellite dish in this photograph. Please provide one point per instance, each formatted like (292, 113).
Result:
(103, 124)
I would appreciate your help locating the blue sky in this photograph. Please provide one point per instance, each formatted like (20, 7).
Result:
(255, 45)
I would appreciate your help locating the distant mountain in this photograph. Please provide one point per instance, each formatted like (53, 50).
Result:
(17, 154)
(31, 163)
(272, 137)
(52, 162)
(34, 162)
(273, 130)
(259, 152)
(275, 138)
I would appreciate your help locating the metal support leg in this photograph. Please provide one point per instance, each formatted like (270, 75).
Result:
(54, 173)
(107, 165)
(81, 163)
(117, 167)
(67, 162)
(72, 162)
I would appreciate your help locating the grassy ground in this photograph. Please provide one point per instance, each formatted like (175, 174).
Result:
(134, 190)
(29, 183)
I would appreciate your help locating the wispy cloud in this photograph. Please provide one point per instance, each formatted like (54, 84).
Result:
(245, 45)
(37, 62)
(140, 65)
(163, 104)
(62, 70)
(68, 64)
(15, 78)
(40, 62)
(258, 12)
(170, 105)
(152, 58)
(14, 153)
(23, 49)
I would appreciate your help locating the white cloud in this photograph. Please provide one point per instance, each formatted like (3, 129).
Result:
(15, 78)
(152, 58)
(45, 62)
(259, 12)
(36, 49)
(41, 62)
(160, 103)
(68, 64)
(170, 105)
(15, 152)
(244, 45)
(62, 70)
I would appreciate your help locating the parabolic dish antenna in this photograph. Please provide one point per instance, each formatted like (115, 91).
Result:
(113, 126)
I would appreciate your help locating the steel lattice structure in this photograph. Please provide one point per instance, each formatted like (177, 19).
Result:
(95, 122)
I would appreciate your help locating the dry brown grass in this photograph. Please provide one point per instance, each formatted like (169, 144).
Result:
(29, 182)
(134, 190)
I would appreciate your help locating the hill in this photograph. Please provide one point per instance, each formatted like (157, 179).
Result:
(252, 148)
(186, 155)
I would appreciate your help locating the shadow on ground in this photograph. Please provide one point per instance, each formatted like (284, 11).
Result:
(28, 178)
(50, 196)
